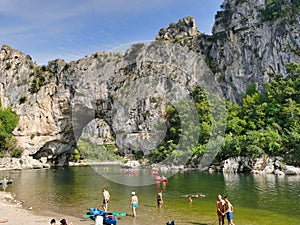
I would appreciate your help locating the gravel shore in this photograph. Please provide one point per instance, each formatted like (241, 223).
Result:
(12, 210)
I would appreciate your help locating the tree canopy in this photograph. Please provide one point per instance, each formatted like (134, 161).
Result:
(265, 123)
(8, 122)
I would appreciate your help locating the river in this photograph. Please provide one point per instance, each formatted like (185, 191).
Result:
(257, 199)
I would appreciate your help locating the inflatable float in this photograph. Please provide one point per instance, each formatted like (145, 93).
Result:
(8, 182)
(161, 179)
(97, 214)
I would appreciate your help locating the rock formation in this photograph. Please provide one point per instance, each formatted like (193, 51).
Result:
(127, 93)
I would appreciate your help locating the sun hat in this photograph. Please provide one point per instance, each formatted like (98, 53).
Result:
(133, 193)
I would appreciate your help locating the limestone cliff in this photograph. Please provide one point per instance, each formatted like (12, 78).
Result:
(247, 45)
(126, 93)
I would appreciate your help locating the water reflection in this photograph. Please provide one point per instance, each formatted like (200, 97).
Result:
(232, 181)
(74, 190)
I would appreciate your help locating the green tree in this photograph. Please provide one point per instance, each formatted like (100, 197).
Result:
(8, 122)
(267, 122)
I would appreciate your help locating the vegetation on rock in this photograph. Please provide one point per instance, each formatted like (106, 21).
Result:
(8, 122)
(266, 123)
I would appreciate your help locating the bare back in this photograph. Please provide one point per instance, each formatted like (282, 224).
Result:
(229, 207)
(106, 195)
(134, 198)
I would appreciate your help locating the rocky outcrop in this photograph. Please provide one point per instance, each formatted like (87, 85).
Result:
(291, 170)
(23, 163)
(184, 28)
(123, 96)
(266, 165)
(246, 49)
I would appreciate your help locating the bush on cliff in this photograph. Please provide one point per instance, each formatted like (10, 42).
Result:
(8, 122)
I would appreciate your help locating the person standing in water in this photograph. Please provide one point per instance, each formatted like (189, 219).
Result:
(159, 199)
(229, 211)
(134, 203)
(4, 183)
(190, 199)
(106, 197)
(220, 209)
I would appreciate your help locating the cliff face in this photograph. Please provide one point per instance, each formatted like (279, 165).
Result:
(123, 96)
(249, 43)
(127, 93)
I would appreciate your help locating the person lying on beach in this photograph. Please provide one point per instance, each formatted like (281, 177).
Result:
(64, 222)
(3, 220)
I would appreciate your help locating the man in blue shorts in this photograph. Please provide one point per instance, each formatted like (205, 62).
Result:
(228, 211)
(134, 203)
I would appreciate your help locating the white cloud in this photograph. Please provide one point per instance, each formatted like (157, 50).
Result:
(36, 11)
(80, 25)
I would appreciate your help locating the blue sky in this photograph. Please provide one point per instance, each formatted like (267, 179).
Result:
(72, 29)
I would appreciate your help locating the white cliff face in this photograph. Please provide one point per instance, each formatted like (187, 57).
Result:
(126, 94)
(247, 49)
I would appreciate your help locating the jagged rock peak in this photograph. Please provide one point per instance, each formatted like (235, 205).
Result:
(7, 51)
(6, 47)
(185, 27)
(238, 14)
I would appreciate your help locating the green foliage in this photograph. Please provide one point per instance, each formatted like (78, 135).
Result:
(138, 155)
(267, 123)
(280, 9)
(170, 147)
(212, 64)
(16, 153)
(88, 150)
(273, 10)
(41, 77)
(76, 156)
(8, 122)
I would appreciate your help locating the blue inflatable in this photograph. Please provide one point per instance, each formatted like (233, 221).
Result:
(108, 218)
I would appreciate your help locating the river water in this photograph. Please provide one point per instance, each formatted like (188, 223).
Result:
(257, 199)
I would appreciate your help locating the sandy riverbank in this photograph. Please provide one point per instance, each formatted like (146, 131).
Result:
(15, 214)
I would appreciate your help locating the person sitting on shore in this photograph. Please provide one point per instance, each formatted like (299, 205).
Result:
(64, 222)
(53, 222)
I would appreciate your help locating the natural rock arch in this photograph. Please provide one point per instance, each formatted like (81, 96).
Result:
(55, 101)
(128, 91)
